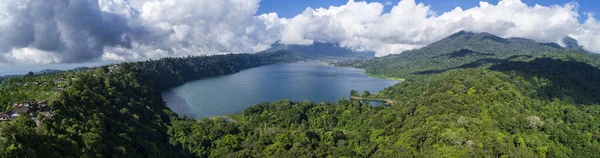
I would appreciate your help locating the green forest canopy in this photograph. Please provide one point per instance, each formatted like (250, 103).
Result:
(523, 99)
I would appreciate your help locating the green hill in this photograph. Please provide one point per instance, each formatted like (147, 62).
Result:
(454, 51)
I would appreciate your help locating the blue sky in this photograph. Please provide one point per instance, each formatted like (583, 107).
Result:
(290, 8)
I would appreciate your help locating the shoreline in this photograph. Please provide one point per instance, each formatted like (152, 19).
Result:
(366, 73)
(388, 101)
(384, 77)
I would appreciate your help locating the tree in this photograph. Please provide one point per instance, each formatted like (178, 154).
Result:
(353, 93)
(366, 94)
(29, 74)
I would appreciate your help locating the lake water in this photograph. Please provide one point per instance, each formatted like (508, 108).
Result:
(233, 93)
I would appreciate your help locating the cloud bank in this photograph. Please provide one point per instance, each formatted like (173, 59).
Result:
(67, 31)
(409, 25)
(58, 31)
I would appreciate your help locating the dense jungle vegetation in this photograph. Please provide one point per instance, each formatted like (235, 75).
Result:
(110, 111)
(469, 95)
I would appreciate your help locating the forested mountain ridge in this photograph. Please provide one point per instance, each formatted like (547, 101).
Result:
(170, 72)
(456, 50)
(320, 50)
(572, 44)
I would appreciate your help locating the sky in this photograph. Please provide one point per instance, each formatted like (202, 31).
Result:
(69, 32)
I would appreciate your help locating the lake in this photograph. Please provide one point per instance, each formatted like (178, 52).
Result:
(229, 94)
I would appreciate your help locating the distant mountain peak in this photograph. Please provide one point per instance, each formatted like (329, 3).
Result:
(571, 43)
(319, 50)
(461, 33)
(461, 50)
(467, 35)
(46, 71)
(483, 43)
(464, 33)
(276, 44)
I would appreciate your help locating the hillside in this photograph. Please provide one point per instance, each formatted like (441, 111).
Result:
(457, 50)
(572, 44)
(321, 51)
(504, 102)
(108, 111)
(469, 95)
(459, 113)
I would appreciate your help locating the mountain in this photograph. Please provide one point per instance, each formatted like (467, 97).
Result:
(492, 104)
(320, 51)
(453, 51)
(46, 71)
(572, 44)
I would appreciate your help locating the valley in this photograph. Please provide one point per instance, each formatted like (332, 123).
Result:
(303, 81)
(467, 95)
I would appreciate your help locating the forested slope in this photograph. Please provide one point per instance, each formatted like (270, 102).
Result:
(470, 95)
(474, 112)
(473, 95)
(170, 72)
(110, 111)
(453, 51)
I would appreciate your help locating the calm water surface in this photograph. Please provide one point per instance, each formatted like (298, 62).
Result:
(233, 93)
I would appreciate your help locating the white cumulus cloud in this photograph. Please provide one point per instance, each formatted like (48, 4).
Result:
(197, 27)
(58, 31)
(410, 25)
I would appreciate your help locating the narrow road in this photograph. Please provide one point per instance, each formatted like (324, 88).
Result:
(226, 117)
(389, 101)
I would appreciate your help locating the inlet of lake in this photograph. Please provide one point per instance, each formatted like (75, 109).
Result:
(230, 94)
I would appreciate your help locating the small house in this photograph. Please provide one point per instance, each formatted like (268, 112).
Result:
(22, 109)
(44, 107)
(14, 116)
(4, 117)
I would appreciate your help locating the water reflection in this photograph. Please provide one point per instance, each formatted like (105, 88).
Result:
(233, 93)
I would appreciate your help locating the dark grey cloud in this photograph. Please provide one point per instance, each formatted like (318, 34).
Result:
(70, 30)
